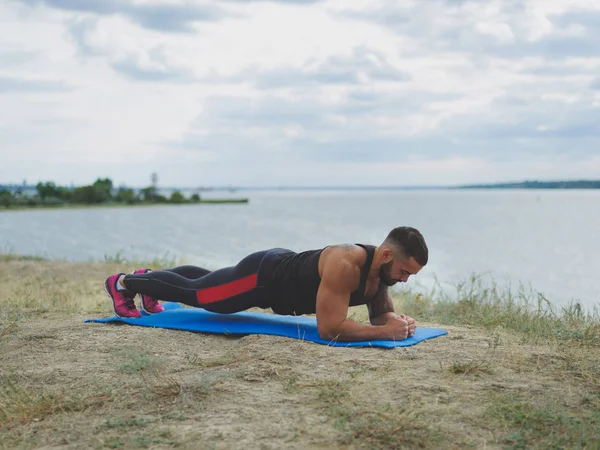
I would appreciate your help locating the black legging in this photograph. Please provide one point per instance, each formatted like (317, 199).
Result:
(227, 290)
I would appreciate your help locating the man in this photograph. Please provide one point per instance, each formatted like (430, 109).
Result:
(325, 282)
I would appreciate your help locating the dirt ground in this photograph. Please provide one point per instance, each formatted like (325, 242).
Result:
(72, 385)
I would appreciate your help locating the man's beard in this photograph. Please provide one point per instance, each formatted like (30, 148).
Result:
(385, 274)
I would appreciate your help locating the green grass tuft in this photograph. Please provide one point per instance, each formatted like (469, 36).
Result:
(124, 423)
(157, 263)
(9, 257)
(133, 362)
(470, 368)
(549, 426)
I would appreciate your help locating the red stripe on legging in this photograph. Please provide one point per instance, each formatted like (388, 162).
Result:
(216, 293)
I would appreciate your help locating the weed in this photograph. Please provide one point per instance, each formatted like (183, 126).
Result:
(124, 424)
(38, 337)
(114, 442)
(332, 392)
(143, 441)
(470, 368)
(174, 415)
(290, 384)
(217, 362)
(133, 363)
(161, 384)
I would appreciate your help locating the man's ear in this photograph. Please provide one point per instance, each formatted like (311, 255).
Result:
(387, 255)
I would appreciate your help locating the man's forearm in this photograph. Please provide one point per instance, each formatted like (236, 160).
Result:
(349, 330)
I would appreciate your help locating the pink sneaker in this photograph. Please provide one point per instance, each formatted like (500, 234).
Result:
(149, 304)
(124, 306)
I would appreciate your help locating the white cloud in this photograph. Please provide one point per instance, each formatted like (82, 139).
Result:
(277, 92)
(500, 31)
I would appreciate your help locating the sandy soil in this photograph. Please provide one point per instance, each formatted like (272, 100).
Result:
(69, 384)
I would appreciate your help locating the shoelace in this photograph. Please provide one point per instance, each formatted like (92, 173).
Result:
(129, 303)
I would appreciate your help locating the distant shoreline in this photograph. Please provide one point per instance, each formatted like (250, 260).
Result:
(581, 184)
(122, 205)
(574, 184)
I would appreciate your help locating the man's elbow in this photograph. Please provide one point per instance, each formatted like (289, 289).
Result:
(328, 333)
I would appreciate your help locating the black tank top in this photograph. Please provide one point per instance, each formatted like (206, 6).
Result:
(295, 281)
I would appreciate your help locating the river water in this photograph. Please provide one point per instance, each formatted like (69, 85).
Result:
(546, 239)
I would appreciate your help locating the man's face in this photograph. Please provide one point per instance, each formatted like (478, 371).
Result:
(398, 270)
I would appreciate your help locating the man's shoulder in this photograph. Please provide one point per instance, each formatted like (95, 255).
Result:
(352, 253)
(347, 257)
(340, 266)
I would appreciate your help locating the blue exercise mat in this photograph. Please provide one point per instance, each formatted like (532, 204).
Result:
(177, 317)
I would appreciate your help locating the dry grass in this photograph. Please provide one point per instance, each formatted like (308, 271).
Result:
(510, 374)
(21, 403)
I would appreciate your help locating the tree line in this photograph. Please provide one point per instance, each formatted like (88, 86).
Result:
(101, 191)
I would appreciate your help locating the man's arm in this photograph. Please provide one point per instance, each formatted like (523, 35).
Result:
(337, 283)
(381, 309)
(380, 305)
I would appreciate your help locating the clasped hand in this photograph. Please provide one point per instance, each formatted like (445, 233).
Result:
(401, 326)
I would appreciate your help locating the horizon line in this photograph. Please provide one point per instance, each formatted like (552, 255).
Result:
(336, 187)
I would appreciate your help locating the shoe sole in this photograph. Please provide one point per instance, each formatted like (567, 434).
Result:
(142, 304)
(106, 289)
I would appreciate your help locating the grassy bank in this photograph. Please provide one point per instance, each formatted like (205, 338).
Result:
(512, 373)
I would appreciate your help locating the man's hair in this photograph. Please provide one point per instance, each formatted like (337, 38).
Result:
(410, 242)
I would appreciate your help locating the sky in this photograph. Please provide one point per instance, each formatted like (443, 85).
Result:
(299, 92)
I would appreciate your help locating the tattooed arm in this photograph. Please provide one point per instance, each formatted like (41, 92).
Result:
(380, 305)
(381, 309)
